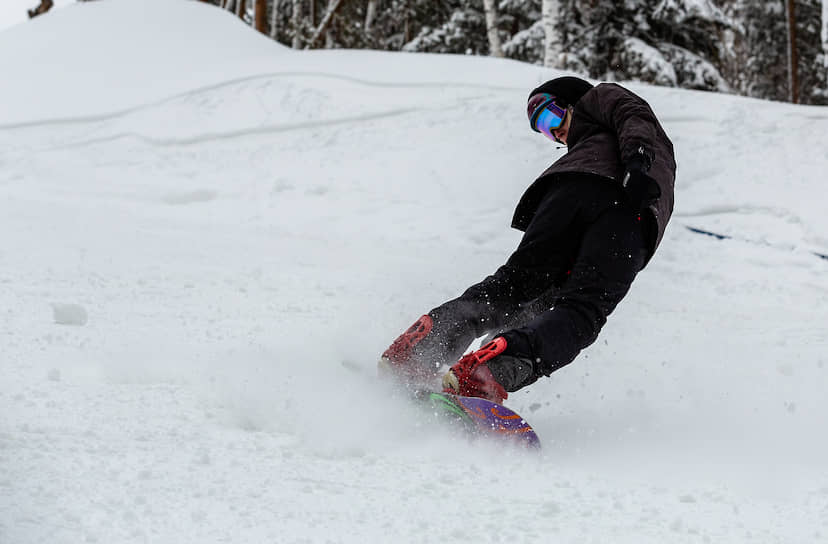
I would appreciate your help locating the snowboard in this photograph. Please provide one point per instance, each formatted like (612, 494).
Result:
(478, 417)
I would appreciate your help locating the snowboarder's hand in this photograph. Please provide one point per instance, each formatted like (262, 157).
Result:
(638, 186)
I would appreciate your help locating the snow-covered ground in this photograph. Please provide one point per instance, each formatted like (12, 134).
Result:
(207, 239)
(14, 12)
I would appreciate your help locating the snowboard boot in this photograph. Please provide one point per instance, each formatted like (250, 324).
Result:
(470, 377)
(489, 372)
(399, 360)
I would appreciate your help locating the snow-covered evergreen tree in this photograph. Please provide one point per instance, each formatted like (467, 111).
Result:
(523, 19)
(813, 79)
(553, 44)
(719, 45)
(669, 42)
(757, 64)
(464, 32)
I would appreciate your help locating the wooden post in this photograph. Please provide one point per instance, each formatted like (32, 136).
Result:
(793, 57)
(260, 16)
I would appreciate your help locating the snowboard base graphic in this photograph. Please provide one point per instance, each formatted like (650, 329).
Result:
(480, 417)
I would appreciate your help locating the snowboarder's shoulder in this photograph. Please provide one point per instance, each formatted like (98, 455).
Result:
(606, 96)
(610, 89)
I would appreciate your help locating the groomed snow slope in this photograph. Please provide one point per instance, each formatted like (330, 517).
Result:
(207, 239)
(15, 12)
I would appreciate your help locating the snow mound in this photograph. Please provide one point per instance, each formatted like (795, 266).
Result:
(13, 12)
(93, 57)
(57, 67)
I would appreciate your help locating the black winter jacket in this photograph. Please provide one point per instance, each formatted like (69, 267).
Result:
(609, 126)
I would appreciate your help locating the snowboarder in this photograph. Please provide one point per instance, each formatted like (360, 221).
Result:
(591, 222)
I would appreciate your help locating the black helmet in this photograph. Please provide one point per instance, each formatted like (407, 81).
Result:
(567, 90)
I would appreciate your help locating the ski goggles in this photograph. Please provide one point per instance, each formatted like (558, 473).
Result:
(545, 115)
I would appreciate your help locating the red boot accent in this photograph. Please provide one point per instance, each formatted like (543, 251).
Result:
(399, 352)
(471, 378)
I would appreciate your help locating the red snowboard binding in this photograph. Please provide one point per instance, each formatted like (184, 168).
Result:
(470, 377)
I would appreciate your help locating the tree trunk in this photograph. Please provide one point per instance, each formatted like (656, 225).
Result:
(370, 15)
(550, 17)
(332, 7)
(793, 60)
(241, 8)
(406, 24)
(274, 20)
(296, 21)
(824, 6)
(490, 8)
(230, 5)
(260, 16)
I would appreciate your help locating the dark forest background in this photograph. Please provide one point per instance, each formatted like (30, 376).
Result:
(769, 49)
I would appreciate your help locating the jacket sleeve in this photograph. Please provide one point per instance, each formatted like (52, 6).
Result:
(627, 115)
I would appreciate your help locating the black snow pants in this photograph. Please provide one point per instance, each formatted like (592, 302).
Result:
(576, 261)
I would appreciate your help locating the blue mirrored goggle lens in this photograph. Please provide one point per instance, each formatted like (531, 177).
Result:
(550, 119)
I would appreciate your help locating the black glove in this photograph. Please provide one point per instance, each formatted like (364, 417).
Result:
(638, 186)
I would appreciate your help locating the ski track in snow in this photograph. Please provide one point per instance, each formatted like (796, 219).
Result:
(208, 137)
(250, 79)
(181, 281)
